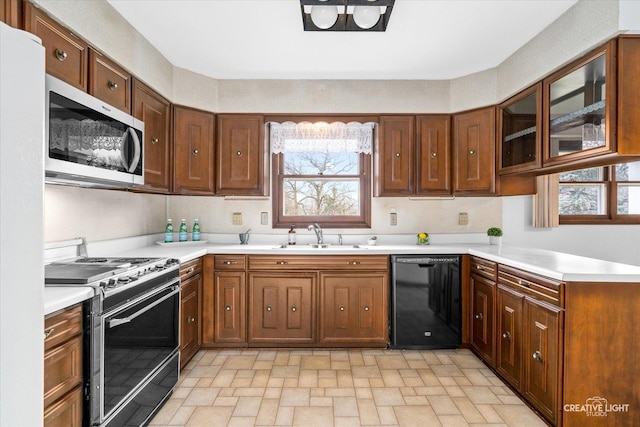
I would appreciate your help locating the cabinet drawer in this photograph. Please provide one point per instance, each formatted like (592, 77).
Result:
(67, 412)
(62, 325)
(109, 82)
(484, 268)
(356, 262)
(190, 268)
(539, 287)
(229, 262)
(62, 369)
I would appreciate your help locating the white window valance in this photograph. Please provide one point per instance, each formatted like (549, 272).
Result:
(337, 137)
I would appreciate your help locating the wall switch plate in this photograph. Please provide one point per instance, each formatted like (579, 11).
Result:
(463, 218)
(264, 218)
(237, 218)
(393, 218)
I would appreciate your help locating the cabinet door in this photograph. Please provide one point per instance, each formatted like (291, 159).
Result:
(542, 356)
(474, 152)
(242, 162)
(66, 55)
(353, 308)
(509, 335)
(11, 13)
(153, 110)
(193, 151)
(281, 307)
(433, 155)
(189, 318)
(109, 82)
(482, 317)
(230, 307)
(395, 156)
(66, 412)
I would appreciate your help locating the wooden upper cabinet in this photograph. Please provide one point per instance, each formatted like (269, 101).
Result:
(109, 82)
(154, 110)
(193, 138)
(628, 128)
(66, 54)
(474, 152)
(520, 131)
(11, 13)
(395, 156)
(433, 155)
(241, 153)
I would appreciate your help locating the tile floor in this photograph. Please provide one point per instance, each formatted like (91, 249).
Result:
(341, 388)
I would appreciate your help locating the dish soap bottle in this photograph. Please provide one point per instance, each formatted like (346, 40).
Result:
(292, 235)
(168, 232)
(195, 233)
(182, 234)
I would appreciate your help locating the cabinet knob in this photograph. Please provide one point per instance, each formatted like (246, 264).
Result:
(479, 267)
(228, 308)
(112, 85)
(239, 153)
(366, 308)
(281, 262)
(154, 140)
(341, 308)
(479, 316)
(354, 262)
(60, 54)
(524, 283)
(397, 154)
(191, 319)
(229, 262)
(472, 152)
(506, 336)
(294, 309)
(269, 308)
(48, 332)
(434, 154)
(537, 356)
(195, 151)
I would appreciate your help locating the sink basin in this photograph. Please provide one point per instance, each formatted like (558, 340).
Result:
(315, 246)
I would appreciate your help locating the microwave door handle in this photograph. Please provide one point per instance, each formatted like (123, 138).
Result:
(117, 322)
(137, 150)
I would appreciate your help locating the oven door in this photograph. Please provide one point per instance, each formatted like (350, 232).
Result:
(140, 339)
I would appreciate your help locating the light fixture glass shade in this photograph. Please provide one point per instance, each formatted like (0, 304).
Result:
(366, 17)
(324, 17)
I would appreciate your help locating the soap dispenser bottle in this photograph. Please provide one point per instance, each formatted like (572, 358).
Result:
(292, 236)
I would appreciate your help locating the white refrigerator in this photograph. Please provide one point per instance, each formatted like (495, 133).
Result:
(21, 227)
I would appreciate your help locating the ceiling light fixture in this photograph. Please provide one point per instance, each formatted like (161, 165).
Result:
(346, 15)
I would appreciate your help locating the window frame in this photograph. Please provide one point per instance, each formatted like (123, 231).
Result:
(611, 215)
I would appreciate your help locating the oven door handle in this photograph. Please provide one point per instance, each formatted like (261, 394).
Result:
(117, 322)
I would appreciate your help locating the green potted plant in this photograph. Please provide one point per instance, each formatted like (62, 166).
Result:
(495, 235)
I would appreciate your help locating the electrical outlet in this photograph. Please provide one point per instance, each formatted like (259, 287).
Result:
(463, 218)
(237, 218)
(393, 220)
(264, 218)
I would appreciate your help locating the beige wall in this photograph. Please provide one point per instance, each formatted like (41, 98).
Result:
(99, 214)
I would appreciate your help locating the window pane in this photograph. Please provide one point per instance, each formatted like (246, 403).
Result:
(582, 199)
(628, 171)
(316, 163)
(629, 199)
(583, 175)
(312, 197)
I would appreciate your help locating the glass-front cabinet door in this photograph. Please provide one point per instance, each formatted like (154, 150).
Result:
(520, 134)
(580, 103)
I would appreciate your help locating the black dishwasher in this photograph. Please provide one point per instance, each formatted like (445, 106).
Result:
(425, 302)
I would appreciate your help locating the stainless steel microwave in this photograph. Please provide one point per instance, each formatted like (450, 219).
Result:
(90, 143)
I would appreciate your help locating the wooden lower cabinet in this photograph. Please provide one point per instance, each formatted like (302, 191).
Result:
(281, 308)
(510, 305)
(63, 368)
(482, 317)
(190, 314)
(353, 308)
(230, 308)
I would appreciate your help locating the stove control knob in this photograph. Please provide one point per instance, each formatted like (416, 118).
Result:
(103, 284)
(123, 279)
(159, 266)
(111, 284)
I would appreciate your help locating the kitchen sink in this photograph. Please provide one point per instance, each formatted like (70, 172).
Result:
(315, 246)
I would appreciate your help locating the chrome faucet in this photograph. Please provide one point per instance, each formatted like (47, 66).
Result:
(316, 228)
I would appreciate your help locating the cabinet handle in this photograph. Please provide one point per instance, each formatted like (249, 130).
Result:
(239, 153)
(191, 270)
(434, 154)
(524, 283)
(366, 308)
(354, 262)
(60, 54)
(230, 262)
(506, 336)
(479, 316)
(294, 309)
(472, 152)
(397, 154)
(191, 319)
(154, 140)
(195, 151)
(341, 308)
(269, 308)
(112, 85)
(228, 308)
(480, 267)
(537, 356)
(48, 332)
(281, 262)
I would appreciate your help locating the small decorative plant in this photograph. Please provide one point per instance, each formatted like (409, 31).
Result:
(494, 232)
(423, 238)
